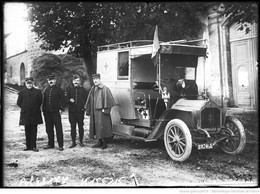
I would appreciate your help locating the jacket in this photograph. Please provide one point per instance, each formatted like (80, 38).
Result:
(79, 94)
(30, 101)
(53, 99)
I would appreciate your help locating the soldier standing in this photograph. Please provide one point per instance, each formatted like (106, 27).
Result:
(98, 107)
(76, 98)
(53, 102)
(30, 101)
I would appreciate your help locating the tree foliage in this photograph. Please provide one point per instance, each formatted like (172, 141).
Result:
(243, 13)
(82, 26)
(63, 66)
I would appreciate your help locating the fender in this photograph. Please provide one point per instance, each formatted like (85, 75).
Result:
(186, 116)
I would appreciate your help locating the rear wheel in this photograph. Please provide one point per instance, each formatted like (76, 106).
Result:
(234, 143)
(177, 140)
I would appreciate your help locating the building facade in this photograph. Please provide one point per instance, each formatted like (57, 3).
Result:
(230, 72)
(20, 52)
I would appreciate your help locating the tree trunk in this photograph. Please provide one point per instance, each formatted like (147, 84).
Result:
(90, 65)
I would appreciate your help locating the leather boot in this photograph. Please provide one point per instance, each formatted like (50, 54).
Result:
(81, 144)
(104, 146)
(73, 144)
(98, 144)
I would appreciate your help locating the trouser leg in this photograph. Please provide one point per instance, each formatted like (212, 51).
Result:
(33, 135)
(80, 121)
(49, 128)
(27, 136)
(72, 120)
(58, 127)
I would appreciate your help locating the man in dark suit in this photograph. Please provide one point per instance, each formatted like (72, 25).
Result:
(76, 98)
(30, 101)
(53, 106)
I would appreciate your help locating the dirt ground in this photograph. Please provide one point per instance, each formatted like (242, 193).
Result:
(125, 163)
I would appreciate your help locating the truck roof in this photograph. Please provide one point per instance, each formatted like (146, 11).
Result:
(171, 47)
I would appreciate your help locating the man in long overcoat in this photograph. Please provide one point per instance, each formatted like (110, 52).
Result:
(76, 98)
(53, 105)
(30, 101)
(98, 107)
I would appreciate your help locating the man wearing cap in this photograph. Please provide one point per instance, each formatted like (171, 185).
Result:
(76, 98)
(30, 101)
(98, 106)
(53, 105)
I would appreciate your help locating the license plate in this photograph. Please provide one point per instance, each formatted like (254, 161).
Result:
(205, 146)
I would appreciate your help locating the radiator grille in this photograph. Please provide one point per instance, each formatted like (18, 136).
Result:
(210, 118)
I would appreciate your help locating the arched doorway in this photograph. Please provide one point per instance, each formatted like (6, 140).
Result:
(22, 74)
(243, 49)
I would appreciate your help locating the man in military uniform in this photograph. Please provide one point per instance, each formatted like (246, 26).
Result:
(76, 98)
(53, 105)
(98, 107)
(30, 101)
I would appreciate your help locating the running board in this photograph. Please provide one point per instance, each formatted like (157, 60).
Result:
(135, 137)
(128, 131)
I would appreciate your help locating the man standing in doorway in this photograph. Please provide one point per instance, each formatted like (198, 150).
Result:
(76, 97)
(30, 101)
(53, 105)
(98, 107)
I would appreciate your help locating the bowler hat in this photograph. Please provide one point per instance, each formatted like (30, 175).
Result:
(96, 76)
(52, 76)
(28, 79)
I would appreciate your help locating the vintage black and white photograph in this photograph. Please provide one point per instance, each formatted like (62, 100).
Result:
(130, 94)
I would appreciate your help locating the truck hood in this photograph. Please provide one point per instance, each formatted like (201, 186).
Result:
(192, 105)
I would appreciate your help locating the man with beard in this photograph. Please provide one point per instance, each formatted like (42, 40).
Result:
(30, 101)
(53, 106)
(98, 107)
(76, 98)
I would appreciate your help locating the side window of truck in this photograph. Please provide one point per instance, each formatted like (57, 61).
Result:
(123, 65)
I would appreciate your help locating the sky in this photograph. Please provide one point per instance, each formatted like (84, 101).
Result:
(15, 23)
(14, 16)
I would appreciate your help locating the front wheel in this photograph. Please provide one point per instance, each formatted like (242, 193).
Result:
(234, 143)
(177, 140)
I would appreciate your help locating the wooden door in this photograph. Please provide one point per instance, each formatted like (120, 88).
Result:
(243, 62)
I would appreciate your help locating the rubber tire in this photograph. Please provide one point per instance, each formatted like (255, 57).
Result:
(242, 135)
(187, 139)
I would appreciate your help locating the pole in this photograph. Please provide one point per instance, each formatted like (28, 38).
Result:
(159, 66)
(220, 63)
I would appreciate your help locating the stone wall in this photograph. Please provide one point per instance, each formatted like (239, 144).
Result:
(214, 62)
(33, 48)
(208, 69)
(26, 57)
(13, 68)
(211, 75)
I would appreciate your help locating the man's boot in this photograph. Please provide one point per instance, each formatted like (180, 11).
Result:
(81, 143)
(104, 146)
(98, 144)
(73, 144)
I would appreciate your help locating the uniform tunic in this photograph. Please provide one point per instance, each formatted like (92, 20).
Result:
(76, 110)
(100, 97)
(53, 101)
(79, 94)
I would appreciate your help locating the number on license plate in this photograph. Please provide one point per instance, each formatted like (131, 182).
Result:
(205, 146)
